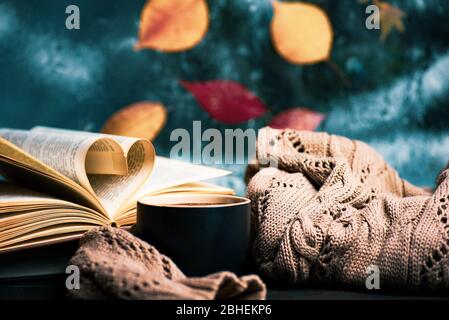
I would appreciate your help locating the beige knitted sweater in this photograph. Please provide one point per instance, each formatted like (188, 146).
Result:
(333, 208)
(114, 264)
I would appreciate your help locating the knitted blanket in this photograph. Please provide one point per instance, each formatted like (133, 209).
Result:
(332, 211)
(114, 264)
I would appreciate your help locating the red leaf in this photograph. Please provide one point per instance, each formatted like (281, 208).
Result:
(226, 101)
(297, 119)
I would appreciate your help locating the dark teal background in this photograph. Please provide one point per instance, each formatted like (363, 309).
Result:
(398, 100)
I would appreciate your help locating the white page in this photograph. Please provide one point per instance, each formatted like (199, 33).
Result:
(169, 173)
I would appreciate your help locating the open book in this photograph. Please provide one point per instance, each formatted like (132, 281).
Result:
(61, 183)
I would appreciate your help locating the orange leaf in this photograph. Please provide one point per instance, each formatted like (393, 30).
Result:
(173, 25)
(301, 32)
(390, 18)
(141, 120)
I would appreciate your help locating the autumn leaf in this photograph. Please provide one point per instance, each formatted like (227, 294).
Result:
(141, 120)
(226, 101)
(297, 119)
(174, 25)
(390, 18)
(301, 32)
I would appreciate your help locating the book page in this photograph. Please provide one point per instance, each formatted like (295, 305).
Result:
(17, 165)
(92, 152)
(81, 152)
(11, 194)
(169, 173)
(111, 168)
(51, 233)
(41, 241)
(196, 187)
(173, 176)
(25, 213)
(11, 148)
(114, 190)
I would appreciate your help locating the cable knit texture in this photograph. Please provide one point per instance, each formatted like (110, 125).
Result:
(333, 207)
(116, 265)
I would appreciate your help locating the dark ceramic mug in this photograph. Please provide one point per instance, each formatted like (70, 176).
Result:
(202, 234)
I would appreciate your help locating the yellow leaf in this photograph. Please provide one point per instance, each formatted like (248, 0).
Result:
(173, 25)
(141, 120)
(301, 32)
(390, 18)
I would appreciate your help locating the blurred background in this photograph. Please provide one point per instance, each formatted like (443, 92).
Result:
(392, 94)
